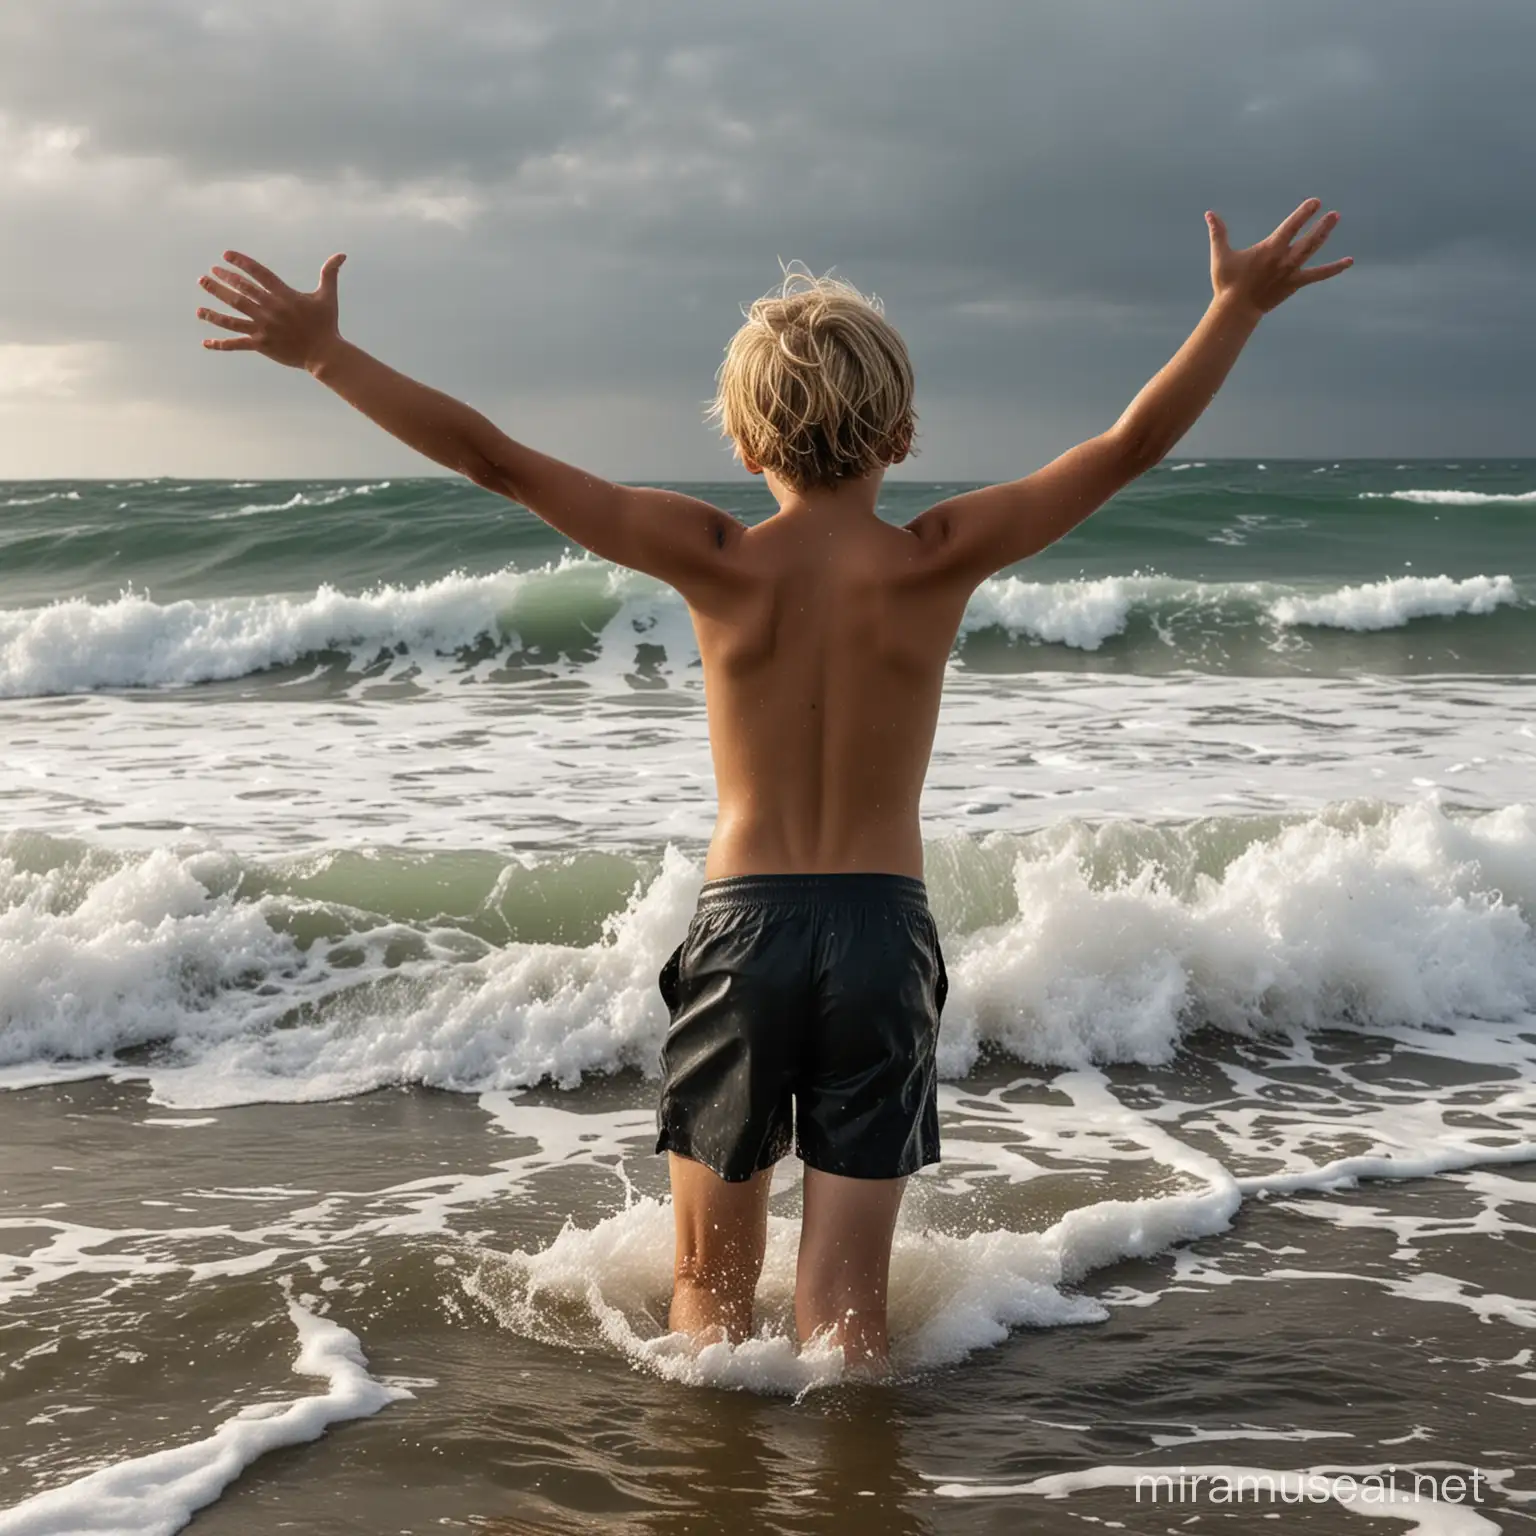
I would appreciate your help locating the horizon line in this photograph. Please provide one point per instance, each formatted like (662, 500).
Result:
(1444, 461)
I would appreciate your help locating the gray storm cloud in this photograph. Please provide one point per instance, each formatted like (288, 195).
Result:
(557, 210)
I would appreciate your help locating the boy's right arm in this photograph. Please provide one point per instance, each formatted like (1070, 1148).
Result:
(666, 534)
(982, 531)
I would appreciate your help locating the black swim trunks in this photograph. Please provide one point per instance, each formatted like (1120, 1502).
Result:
(805, 1009)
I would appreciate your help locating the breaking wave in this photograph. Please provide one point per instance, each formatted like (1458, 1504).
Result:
(579, 608)
(232, 980)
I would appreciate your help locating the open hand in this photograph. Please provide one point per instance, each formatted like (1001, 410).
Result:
(273, 319)
(1268, 273)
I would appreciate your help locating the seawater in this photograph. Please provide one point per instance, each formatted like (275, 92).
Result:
(346, 825)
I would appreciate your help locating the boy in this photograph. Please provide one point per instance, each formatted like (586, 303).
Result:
(811, 971)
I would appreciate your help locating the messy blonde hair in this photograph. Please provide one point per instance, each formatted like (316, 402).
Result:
(817, 385)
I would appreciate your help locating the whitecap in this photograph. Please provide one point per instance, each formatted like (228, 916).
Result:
(1452, 498)
(1395, 601)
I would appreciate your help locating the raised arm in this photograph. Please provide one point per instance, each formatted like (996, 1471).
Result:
(668, 535)
(982, 531)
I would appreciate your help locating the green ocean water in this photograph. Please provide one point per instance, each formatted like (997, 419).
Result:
(1223, 566)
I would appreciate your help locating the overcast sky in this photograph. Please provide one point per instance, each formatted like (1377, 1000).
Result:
(556, 211)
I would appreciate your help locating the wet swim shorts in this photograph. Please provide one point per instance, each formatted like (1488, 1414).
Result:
(805, 1010)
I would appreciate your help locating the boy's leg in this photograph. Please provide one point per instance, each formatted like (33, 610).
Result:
(722, 1230)
(845, 1261)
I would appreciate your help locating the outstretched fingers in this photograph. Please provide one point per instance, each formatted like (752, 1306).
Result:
(227, 322)
(1308, 245)
(1288, 228)
(229, 343)
(1324, 272)
(238, 295)
(253, 291)
(263, 275)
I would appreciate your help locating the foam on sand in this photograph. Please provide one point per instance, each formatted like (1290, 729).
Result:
(952, 1292)
(157, 1494)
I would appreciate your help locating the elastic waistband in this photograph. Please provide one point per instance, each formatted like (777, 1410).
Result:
(786, 890)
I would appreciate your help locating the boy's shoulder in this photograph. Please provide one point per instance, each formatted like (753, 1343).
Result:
(785, 549)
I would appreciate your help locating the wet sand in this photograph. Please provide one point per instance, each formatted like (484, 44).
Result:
(171, 1316)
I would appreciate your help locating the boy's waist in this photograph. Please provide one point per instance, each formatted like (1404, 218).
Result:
(813, 890)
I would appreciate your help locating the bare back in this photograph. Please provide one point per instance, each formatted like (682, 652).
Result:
(823, 668)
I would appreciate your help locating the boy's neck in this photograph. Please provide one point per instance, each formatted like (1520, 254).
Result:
(850, 500)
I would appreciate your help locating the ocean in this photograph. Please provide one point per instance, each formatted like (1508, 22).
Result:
(344, 827)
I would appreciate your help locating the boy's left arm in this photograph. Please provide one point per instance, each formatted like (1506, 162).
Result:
(666, 534)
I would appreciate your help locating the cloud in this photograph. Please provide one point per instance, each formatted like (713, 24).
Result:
(544, 200)
(31, 372)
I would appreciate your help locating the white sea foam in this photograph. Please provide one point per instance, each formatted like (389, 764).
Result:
(1411, 918)
(303, 499)
(1151, 1171)
(1083, 614)
(134, 642)
(526, 1013)
(950, 1293)
(104, 955)
(1149, 1185)
(37, 501)
(157, 1494)
(1451, 498)
(1395, 602)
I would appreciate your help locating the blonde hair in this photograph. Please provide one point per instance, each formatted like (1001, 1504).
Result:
(817, 385)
